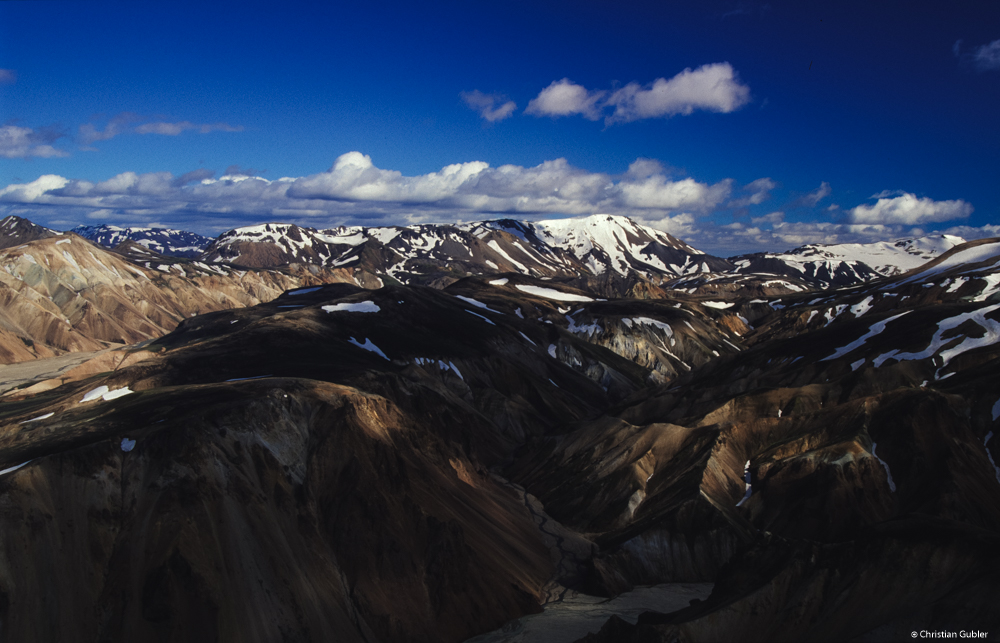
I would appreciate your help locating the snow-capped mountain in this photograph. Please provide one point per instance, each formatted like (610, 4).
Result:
(848, 263)
(173, 243)
(15, 231)
(597, 245)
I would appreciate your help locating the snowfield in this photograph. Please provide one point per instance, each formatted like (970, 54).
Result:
(360, 307)
(103, 392)
(369, 346)
(550, 293)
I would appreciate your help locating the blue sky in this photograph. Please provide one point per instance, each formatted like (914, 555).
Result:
(737, 126)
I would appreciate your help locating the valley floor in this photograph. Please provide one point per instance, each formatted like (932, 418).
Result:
(577, 615)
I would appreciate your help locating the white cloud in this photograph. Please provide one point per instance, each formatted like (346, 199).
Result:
(356, 191)
(987, 57)
(29, 192)
(907, 209)
(491, 107)
(173, 129)
(682, 226)
(760, 191)
(125, 123)
(659, 192)
(7, 76)
(887, 193)
(812, 199)
(969, 232)
(23, 142)
(714, 88)
(566, 98)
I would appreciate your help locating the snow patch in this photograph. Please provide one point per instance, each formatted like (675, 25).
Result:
(48, 415)
(14, 468)
(103, 392)
(499, 282)
(550, 293)
(477, 304)
(360, 307)
(369, 346)
(127, 445)
(989, 455)
(885, 465)
(875, 329)
(746, 480)
(721, 305)
(304, 291)
(488, 321)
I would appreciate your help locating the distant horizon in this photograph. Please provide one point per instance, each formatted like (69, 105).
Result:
(737, 126)
(116, 226)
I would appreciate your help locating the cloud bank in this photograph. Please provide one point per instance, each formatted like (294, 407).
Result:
(908, 209)
(714, 88)
(24, 142)
(355, 190)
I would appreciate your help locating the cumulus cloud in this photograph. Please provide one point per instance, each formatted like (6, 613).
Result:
(970, 232)
(355, 190)
(7, 76)
(908, 209)
(714, 88)
(566, 98)
(760, 191)
(194, 176)
(987, 57)
(491, 107)
(131, 123)
(23, 142)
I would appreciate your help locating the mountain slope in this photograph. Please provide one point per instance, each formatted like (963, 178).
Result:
(15, 231)
(598, 247)
(848, 263)
(165, 241)
(412, 463)
(64, 294)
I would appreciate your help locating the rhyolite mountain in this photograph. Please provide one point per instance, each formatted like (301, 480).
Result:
(845, 264)
(61, 293)
(15, 231)
(411, 463)
(609, 253)
(165, 241)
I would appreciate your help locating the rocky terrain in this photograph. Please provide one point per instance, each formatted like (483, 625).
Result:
(165, 241)
(848, 263)
(406, 458)
(61, 293)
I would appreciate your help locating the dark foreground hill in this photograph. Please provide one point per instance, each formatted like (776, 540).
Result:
(417, 464)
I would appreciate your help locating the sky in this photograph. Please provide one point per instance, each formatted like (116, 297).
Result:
(736, 126)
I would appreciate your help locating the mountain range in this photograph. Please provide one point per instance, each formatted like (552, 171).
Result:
(373, 434)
